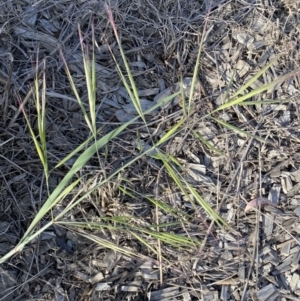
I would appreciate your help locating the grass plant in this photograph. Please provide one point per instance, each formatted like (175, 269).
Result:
(86, 150)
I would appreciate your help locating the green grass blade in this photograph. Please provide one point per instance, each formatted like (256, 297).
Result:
(90, 80)
(57, 195)
(163, 206)
(79, 163)
(145, 243)
(170, 238)
(264, 102)
(259, 90)
(35, 141)
(110, 245)
(254, 78)
(42, 126)
(74, 152)
(229, 86)
(237, 130)
(184, 108)
(182, 184)
(85, 115)
(196, 67)
(84, 144)
(209, 210)
(207, 144)
(171, 132)
(132, 90)
(84, 157)
(25, 240)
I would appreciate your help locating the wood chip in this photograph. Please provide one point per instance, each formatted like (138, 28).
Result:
(269, 292)
(133, 286)
(102, 287)
(96, 278)
(148, 272)
(164, 294)
(145, 105)
(255, 203)
(210, 296)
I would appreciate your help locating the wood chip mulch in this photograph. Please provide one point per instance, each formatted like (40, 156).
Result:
(255, 186)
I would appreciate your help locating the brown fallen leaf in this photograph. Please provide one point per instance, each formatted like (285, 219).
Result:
(257, 202)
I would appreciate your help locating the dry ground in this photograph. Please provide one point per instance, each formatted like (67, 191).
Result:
(259, 258)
